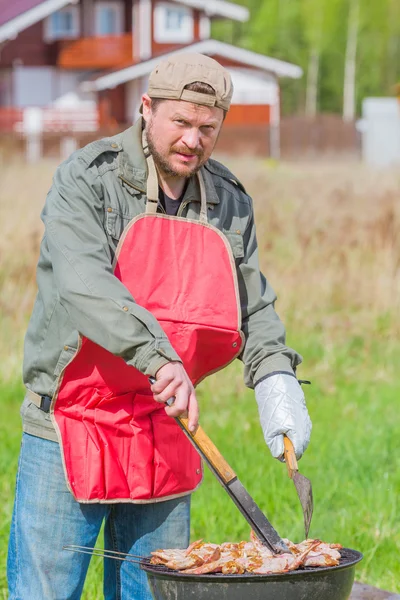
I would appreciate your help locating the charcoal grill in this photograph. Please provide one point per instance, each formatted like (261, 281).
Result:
(308, 583)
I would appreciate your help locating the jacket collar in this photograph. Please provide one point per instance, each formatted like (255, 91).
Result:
(132, 167)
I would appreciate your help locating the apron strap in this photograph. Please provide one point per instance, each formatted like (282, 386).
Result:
(152, 179)
(203, 198)
(152, 185)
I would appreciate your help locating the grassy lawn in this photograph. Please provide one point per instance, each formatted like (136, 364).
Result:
(329, 244)
(353, 460)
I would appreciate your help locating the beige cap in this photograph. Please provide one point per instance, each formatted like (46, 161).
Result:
(169, 77)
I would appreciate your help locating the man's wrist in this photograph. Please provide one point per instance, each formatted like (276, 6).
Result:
(158, 354)
(273, 364)
(289, 373)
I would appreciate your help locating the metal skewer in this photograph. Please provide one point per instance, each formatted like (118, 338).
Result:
(103, 553)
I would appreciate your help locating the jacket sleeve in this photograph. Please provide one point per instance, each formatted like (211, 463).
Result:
(99, 305)
(265, 350)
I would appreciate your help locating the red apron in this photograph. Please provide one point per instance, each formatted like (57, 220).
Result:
(118, 444)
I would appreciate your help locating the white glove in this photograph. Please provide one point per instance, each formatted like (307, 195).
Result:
(282, 409)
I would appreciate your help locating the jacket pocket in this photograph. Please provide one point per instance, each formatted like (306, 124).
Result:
(116, 223)
(67, 354)
(235, 240)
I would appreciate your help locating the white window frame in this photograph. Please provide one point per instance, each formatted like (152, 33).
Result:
(163, 35)
(50, 35)
(204, 27)
(118, 8)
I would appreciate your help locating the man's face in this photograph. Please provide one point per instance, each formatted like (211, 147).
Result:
(181, 135)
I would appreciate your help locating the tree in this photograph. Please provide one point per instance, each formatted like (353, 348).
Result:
(313, 23)
(349, 86)
(349, 49)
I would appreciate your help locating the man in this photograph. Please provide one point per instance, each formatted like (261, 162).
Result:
(148, 268)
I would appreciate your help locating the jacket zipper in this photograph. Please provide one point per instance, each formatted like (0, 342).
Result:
(182, 206)
(159, 206)
(131, 184)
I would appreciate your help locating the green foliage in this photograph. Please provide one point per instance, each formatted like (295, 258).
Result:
(292, 29)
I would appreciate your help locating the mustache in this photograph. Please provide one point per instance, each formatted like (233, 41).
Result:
(187, 151)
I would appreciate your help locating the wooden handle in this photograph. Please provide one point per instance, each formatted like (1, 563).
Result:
(202, 442)
(204, 445)
(290, 457)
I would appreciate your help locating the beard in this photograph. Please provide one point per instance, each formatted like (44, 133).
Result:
(165, 164)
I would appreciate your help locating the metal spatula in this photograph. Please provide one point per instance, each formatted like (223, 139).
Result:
(302, 484)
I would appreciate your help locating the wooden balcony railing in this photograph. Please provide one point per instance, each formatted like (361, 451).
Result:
(49, 119)
(104, 52)
(9, 118)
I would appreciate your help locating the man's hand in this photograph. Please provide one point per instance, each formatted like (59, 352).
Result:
(173, 381)
(282, 409)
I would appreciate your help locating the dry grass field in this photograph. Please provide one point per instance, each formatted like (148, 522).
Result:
(327, 233)
(329, 243)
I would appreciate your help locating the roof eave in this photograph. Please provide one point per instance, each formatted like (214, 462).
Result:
(10, 30)
(272, 65)
(219, 8)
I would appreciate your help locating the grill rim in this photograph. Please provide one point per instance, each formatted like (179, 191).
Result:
(351, 558)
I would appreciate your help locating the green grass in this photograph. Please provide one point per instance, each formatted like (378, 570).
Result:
(329, 244)
(352, 461)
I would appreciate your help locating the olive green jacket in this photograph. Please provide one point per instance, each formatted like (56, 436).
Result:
(94, 195)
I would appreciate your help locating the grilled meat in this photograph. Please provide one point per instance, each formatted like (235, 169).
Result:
(231, 558)
(324, 555)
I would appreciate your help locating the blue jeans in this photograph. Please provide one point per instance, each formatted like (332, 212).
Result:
(46, 517)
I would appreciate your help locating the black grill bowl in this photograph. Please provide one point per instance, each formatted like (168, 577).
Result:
(330, 583)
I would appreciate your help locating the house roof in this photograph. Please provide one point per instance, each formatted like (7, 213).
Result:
(10, 10)
(219, 8)
(210, 47)
(17, 15)
(20, 14)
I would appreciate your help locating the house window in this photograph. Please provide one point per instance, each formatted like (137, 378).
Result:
(173, 23)
(174, 19)
(109, 18)
(63, 23)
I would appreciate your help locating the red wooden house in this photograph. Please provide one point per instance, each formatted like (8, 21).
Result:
(104, 50)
